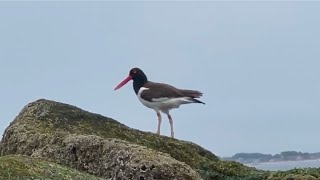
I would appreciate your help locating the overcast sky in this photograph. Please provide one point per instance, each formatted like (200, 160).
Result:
(257, 63)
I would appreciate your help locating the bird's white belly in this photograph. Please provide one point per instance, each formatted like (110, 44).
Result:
(152, 105)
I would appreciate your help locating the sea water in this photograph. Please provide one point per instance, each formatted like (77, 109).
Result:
(286, 165)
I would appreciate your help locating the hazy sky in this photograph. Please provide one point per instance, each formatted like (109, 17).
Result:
(257, 63)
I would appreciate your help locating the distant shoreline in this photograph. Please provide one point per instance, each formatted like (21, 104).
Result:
(271, 162)
(285, 165)
(286, 156)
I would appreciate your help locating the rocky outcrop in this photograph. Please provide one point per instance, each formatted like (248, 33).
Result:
(76, 138)
(90, 143)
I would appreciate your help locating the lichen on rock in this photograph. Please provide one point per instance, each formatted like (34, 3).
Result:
(14, 167)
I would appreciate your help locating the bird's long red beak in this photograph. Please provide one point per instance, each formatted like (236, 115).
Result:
(123, 82)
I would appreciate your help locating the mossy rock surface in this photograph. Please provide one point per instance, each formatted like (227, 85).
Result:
(16, 167)
(103, 147)
(70, 136)
(296, 174)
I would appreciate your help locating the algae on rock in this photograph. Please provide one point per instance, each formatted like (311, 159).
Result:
(14, 167)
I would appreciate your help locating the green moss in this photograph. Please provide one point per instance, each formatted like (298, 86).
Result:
(15, 167)
(296, 174)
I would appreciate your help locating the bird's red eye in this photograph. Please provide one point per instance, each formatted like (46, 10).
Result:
(134, 71)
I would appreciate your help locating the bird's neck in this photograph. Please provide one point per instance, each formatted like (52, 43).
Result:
(137, 84)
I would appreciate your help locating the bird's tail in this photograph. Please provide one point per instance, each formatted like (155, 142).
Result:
(197, 101)
(193, 94)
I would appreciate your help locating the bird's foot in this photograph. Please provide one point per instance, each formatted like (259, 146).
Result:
(172, 135)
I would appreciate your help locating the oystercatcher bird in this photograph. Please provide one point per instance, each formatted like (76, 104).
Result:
(158, 96)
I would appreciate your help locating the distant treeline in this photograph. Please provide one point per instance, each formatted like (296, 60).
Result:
(283, 156)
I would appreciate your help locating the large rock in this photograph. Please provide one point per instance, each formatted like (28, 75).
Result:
(86, 141)
(106, 148)
(103, 147)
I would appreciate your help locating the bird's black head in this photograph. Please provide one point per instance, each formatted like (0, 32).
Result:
(138, 75)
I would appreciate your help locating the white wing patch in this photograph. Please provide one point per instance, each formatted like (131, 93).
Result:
(179, 101)
(163, 99)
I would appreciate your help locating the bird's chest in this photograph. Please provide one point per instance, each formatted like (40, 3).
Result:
(152, 105)
(149, 104)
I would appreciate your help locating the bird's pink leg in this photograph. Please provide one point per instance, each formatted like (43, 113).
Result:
(159, 122)
(171, 125)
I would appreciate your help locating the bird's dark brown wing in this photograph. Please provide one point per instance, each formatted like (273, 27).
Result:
(160, 90)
